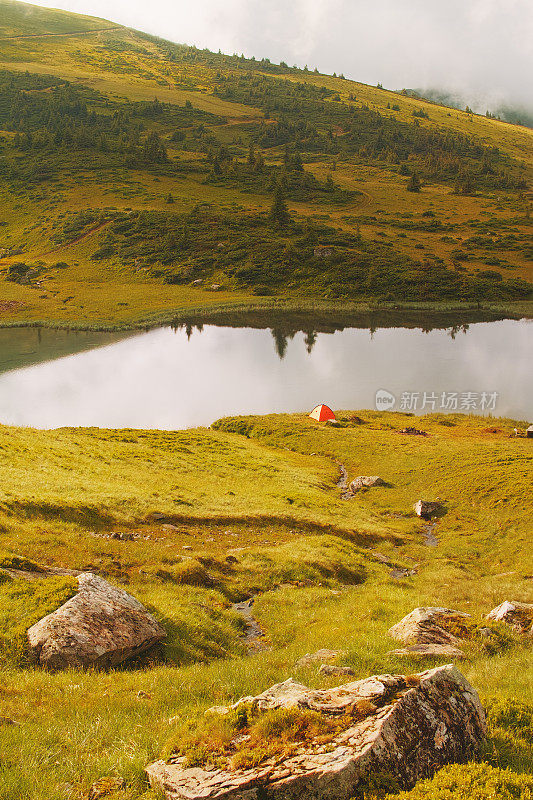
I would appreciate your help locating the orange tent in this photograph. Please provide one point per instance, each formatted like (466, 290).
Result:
(322, 413)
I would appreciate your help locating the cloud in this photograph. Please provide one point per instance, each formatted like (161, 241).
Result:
(479, 49)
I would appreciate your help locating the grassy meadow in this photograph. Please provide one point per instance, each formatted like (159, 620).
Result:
(191, 522)
(138, 177)
(144, 182)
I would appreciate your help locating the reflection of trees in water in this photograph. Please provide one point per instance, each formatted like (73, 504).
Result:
(310, 340)
(455, 329)
(189, 328)
(281, 340)
(285, 325)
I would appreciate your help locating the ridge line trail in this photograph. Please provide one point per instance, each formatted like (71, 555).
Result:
(68, 33)
(76, 241)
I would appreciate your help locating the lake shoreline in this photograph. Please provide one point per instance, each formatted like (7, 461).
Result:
(323, 313)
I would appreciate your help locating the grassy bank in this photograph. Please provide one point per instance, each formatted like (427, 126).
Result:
(162, 513)
(320, 316)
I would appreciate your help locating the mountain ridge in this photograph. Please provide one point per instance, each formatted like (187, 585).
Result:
(391, 198)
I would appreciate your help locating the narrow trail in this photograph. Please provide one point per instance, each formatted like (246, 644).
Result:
(253, 633)
(76, 241)
(48, 35)
(342, 483)
(428, 532)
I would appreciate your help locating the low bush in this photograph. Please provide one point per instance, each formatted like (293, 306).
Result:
(469, 782)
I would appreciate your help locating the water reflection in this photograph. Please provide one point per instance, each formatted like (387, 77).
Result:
(175, 378)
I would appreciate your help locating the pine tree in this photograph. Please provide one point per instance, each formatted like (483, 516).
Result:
(414, 184)
(251, 156)
(279, 213)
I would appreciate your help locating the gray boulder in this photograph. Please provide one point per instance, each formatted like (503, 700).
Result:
(426, 508)
(365, 482)
(406, 726)
(101, 626)
(518, 615)
(430, 626)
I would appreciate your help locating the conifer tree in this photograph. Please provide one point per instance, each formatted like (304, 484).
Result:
(414, 184)
(279, 213)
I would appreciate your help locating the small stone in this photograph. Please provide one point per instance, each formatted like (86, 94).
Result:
(7, 721)
(310, 659)
(429, 651)
(141, 695)
(220, 710)
(331, 669)
(104, 787)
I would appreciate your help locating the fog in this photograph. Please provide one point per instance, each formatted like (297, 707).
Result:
(481, 50)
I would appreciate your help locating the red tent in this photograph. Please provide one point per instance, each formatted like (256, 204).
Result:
(322, 413)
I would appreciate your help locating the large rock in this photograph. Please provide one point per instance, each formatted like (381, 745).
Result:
(407, 727)
(426, 508)
(100, 626)
(366, 482)
(518, 615)
(430, 626)
(283, 695)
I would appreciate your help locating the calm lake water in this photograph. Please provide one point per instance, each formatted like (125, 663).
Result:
(170, 379)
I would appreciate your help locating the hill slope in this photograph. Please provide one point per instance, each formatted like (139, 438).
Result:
(138, 174)
(23, 19)
(327, 573)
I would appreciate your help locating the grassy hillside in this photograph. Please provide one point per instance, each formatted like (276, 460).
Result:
(162, 513)
(23, 19)
(139, 177)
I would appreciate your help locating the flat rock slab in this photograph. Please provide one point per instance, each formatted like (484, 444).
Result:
(415, 726)
(430, 626)
(518, 615)
(101, 626)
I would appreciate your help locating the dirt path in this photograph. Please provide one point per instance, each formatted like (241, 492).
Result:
(428, 532)
(253, 633)
(47, 35)
(76, 241)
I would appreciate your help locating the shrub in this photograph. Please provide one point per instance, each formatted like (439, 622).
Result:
(470, 782)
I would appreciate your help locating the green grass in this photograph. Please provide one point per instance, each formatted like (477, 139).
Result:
(347, 192)
(311, 564)
(23, 19)
(23, 603)
(479, 781)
